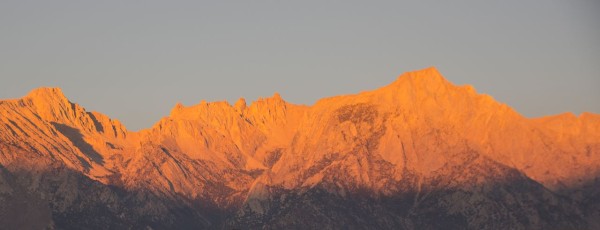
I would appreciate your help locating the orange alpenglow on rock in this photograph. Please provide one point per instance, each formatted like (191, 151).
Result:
(419, 153)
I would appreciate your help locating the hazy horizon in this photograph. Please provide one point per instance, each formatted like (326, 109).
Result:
(134, 62)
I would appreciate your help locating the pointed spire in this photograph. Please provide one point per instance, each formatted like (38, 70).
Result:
(177, 109)
(276, 98)
(240, 105)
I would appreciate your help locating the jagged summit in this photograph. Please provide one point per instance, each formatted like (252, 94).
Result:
(429, 75)
(426, 82)
(47, 92)
(423, 83)
(274, 99)
(48, 95)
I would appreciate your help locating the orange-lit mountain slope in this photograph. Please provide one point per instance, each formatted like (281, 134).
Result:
(418, 153)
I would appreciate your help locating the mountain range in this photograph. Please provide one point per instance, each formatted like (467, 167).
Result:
(419, 153)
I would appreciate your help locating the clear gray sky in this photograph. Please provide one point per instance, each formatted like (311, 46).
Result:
(134, 60)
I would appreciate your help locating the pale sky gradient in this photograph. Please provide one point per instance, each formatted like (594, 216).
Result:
(134, 60)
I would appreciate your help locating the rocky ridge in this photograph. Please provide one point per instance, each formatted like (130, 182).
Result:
(420, 153)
